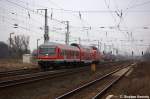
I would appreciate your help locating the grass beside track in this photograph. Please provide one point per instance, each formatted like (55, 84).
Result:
(14, 64)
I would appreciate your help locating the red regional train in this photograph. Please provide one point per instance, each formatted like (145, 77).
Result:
(53, 54)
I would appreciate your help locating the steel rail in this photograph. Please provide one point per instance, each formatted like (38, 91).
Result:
(26, 71)
(26, 78)
(88, 84)
(18, 72)
(99, 94)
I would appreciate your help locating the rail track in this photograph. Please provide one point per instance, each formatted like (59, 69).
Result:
(97, 87)
(31, 70)
(26, 78)
(18, 72)
(16, 77)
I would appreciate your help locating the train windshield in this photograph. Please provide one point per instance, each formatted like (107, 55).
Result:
(47, 50)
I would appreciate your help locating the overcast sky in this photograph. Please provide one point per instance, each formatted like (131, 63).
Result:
(118, 24)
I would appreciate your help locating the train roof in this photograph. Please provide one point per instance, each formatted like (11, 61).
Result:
(63, 46)
(94, 48)
(49, 44)
(73, 46)
(81, 46)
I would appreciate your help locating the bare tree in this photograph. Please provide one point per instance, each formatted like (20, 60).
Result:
(20, 45)
(25, 41)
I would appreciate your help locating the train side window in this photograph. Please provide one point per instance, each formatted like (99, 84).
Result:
(66, 53)
(73, 53)
(70, 53)
(60, 53)
(77, 54)
(63, 52)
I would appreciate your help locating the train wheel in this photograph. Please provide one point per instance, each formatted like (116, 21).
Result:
(54, 66)
(43, 66)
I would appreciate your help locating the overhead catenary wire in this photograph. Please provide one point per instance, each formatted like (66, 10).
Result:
(88, 11)
(24, 28)
(53, 19)
(22, 16)
(10, 23)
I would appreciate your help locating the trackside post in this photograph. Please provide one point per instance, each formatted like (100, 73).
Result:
(93, 67)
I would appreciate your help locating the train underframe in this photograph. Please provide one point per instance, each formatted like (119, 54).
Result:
(45, 65)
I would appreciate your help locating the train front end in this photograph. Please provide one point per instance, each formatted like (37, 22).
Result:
(47, 56)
